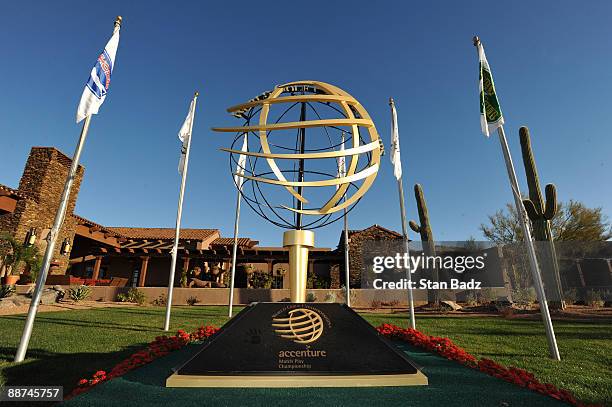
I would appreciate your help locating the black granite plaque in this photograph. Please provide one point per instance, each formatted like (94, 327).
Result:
(297, 339)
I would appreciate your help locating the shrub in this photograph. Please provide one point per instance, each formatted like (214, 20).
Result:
(471, 298)
(570, 296)
(594, 298)
(310, 297)
(330, 297)
(487, 296)
(353, 295)
(133, 295)
(7, 291)
(394, 303)
(160, 301)
(79, 293)
(192, 301)
(260, 279)
(524, 297)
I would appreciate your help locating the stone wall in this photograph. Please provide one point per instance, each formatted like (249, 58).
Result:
(360, 298)
(42, 183)
(356, 241)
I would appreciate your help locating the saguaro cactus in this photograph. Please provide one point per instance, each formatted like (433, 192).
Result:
(424, 229)
(541, 212)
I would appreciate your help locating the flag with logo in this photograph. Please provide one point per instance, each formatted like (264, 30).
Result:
(98, 83)
(238, 179)
(491, 117)
(341, 162)
(185, 134)
(395, 146)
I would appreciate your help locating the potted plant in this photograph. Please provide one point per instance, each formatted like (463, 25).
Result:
(13, 255)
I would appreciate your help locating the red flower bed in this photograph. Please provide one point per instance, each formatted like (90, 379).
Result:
(446, 348)
(162, 345)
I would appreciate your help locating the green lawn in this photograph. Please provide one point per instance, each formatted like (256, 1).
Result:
(69, 345)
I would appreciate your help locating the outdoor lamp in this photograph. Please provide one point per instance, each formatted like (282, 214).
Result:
(65, 250)
(31, 237)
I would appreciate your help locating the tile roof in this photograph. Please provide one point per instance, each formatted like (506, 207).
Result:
(4, 190)
(163, 233)
(229, 241)
(86, 222)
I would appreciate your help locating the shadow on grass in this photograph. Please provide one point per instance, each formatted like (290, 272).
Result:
(89, 324)
(58, 369)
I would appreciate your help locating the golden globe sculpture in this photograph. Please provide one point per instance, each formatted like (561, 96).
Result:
(262, 165)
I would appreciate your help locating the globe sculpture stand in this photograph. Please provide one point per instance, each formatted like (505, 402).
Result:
(300, 344)
(298, 242)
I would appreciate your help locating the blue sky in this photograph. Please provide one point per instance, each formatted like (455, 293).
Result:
(551, 62)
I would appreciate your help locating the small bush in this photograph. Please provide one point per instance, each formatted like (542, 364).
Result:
(570, 296)
(330, 297)
(594, 299)
(310, 297)
(260, 279)
(524, 297)
(7, 291)
(192, 301)
(133, 295)
(487, 296)
(160, 301)
(471, 299)
(79, 293)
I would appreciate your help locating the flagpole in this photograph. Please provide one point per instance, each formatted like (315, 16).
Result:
(347, 269)
(537, 278)
(52, 236)
(533, 262)
(347, 273)
(234, 250)
(179, 214)
(404, 233)
(51, 241)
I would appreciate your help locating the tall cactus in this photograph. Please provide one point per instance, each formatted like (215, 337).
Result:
(427, 239)
(540, 213)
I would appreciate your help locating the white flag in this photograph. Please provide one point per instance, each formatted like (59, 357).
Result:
(97, 85)
(341, 163)
(185, 134)
(491, 117)
(395, 146)
(238, 179)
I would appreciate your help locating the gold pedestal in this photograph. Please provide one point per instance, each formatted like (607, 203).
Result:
(298, 242)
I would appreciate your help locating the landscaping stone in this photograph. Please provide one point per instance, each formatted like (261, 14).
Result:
(7, 303)
(48, 297)
(452, 305)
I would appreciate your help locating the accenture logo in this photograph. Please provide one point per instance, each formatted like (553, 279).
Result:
(300, 325)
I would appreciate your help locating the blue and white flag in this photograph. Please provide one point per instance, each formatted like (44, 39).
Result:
(99, 79)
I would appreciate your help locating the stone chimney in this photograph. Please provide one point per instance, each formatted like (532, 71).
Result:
(42, 183)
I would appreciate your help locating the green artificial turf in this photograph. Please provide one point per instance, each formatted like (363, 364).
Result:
(67, 346)
(450, 384)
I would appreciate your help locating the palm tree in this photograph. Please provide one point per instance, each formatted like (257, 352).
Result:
(13, 254)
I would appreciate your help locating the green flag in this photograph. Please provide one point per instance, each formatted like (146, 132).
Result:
(491, 116)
